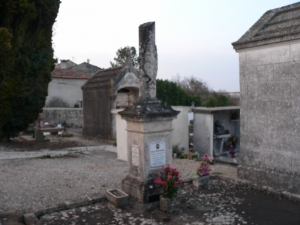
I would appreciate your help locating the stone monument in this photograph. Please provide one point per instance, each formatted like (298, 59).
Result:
(149, 126)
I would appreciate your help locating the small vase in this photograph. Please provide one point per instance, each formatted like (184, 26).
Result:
(201, 182)
(169, 205)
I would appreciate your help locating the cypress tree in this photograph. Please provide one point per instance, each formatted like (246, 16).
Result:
(26, 61)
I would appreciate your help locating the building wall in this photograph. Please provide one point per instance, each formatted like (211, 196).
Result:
(67, 89)
(59, 115)
(270, 119)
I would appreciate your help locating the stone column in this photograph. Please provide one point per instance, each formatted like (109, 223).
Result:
(149, 126)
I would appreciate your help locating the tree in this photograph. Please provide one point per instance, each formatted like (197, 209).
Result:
(122, 55)
(196, 87)
(170, 93)
(26, 57)
(217, 100)
(193, 86)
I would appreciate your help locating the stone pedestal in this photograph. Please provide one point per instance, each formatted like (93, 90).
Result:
(149, 148)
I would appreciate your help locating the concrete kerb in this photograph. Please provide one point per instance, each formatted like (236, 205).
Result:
(69, 205)
(33, 218)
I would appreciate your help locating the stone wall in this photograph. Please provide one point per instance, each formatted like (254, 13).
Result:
(58, 115)
(270, 119)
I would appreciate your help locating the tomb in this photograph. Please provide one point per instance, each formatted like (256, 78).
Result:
(116, 87)
(269, 61)
(207, 140)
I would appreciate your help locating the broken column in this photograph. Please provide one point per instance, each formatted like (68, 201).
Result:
(149, 126)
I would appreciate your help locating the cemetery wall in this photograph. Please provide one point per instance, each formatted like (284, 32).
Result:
(58, 115)
(270, 119)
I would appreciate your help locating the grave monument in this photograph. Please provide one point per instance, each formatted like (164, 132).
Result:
(149, 126)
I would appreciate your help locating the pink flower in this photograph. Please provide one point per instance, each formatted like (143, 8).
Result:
(166, 167)
(169, 177)
(173, 170)
(175, 184)
(158, 181)
(164, 184)
(206, 158)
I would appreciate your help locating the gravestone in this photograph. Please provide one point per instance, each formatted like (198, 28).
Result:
(149, 126)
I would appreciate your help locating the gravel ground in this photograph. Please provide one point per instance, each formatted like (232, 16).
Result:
(31, 181)
(35, 184)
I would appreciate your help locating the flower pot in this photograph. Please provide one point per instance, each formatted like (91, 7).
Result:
(169, 205)
(201, 182)
(117, 197)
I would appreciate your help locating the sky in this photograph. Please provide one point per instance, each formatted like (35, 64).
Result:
(193, 37)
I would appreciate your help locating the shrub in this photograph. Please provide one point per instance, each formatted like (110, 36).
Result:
(57, 102)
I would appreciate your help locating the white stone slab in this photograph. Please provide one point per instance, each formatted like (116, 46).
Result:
(157, 153)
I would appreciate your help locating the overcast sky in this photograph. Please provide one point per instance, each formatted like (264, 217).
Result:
(193, 37)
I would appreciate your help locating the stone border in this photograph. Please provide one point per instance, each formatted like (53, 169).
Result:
(33, 218)
(68, 205)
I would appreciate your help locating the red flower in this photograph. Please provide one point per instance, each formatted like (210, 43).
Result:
(158, 181)
(166, 167)
(164, 184)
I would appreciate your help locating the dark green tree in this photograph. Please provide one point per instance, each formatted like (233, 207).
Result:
(122, 55)
(171, 94)
(217, 100)
(26, 57)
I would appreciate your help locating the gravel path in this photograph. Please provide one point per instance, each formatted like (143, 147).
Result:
(37, 183)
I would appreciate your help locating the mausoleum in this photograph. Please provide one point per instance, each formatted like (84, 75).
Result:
(108, 89)
(269, 58)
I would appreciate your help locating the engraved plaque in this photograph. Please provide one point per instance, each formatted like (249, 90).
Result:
(157, 153)
(135, 155)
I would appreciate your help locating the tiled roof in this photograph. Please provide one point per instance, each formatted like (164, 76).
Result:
(69, 74)
(275, 26)
(103, 76)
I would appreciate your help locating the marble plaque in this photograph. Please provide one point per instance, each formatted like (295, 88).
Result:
(157, 153)
(135, 155)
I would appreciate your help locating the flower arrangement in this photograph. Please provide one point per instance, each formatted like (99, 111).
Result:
(204, 166)
(230, 145)
(195, 156)
(169, 181)
(183, 156)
